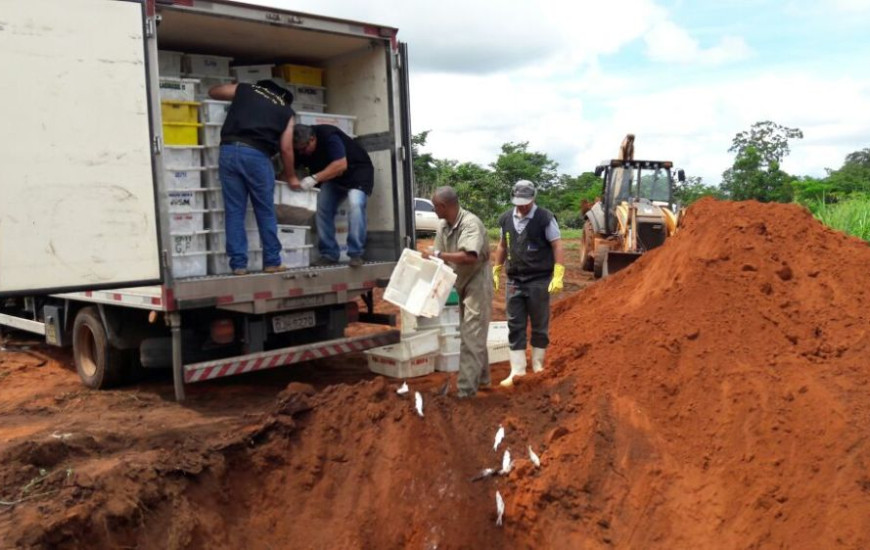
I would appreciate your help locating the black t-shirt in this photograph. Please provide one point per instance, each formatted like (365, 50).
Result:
(333, 144)
(257, 117)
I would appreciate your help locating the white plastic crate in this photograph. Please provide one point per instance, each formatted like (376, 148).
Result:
(206, 65)
(214, 198)
(186, 222)
(299, 256)
(497, 342)
(186, 200)
(420, 286)
(179, 156)
(292, 236)
(449, 316)
(384, 361)
(217, 240)
(182, 178)
(213, 111)
(312, 108)
(211, 156)
(186, 243)
(307, 200)
(304, 94)
(418, 343)
(447, 362)
(169, 63)
(217, 219)
(252, 73)
(219, 262)
(189, 265)
(206, 83)
(211, 177)
(346, 123)
(211, 134)
(178, 89)
(449, 343)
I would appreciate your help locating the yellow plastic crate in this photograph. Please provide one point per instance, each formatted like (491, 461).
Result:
(181, 133)
(301, 74)
(180, 111)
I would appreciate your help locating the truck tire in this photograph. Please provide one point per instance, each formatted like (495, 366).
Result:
(600, 260)
(587, 259)
(99, 365)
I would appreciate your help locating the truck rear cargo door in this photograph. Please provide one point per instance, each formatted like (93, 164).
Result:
(77, 199)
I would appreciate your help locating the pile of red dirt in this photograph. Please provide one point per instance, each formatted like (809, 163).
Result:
(712, 395)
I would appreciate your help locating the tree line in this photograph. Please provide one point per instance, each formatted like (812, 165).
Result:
(755, 174)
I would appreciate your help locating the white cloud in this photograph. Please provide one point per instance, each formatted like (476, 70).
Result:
(668, 43)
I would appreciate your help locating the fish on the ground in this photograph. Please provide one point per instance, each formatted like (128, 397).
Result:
(506, 463)
(499, 507)
(403, 389)
(485, 473)
(534, 458)
(418, 403)
(499, 436)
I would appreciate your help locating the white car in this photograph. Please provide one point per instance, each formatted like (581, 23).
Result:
(425, 219)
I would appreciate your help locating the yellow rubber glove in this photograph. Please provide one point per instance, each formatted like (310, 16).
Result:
(557, 284)
(496, 275)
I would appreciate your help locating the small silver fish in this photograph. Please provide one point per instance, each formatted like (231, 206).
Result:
(403, 389)
(499, 507)
(534, 458)
(506, 463)
(485, 473)
(418, 403)
(499, 436)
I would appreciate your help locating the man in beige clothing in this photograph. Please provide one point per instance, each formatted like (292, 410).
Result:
(462, 243)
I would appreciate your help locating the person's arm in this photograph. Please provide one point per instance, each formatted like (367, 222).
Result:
(223, 92)
(558, 251)
(498, 262)
(332, 170)
(287, 155)
(462, 257)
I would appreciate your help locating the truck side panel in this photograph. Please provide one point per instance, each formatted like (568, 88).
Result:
(77, 200)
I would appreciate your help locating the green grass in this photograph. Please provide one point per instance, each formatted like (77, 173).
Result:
(494, 234)
(851, 217)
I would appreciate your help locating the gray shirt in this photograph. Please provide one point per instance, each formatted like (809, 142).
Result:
(468, 234)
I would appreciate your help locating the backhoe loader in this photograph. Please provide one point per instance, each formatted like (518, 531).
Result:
(636, 212)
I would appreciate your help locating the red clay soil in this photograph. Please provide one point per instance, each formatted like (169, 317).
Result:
(712, 395)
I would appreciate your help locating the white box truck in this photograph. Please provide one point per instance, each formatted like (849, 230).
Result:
(86, 255)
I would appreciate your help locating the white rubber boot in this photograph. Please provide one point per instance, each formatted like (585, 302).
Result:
(538, 359)
(518, 367)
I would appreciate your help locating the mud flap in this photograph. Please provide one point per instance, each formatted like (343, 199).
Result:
(616, 261)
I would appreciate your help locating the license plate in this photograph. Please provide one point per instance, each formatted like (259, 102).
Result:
(293, 321)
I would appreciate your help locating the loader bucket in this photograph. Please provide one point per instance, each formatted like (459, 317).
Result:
(617, 261)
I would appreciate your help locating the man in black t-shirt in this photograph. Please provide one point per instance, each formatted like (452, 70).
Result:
(259, 124)
(341, 168)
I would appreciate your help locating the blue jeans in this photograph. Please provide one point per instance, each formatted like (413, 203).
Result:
(247, 171)
(330, 196)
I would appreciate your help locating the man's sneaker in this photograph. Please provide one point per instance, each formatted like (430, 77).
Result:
(323, 261)
(274, 269)
(356, 261)
(240, 271)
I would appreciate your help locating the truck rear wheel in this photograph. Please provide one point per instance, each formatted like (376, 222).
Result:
(587, 260)
(99, 364)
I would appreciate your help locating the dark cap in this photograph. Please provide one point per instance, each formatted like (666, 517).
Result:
(523, 193)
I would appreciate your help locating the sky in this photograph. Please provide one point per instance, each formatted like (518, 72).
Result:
(685, 76)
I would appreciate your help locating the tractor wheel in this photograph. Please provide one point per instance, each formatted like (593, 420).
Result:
(587, 259)
(600, 260)
(99, 364)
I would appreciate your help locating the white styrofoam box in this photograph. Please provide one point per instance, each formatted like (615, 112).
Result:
(206, 65)
(447, 362)
(299, 256)
(186, 200)
(384, 361)
(186, 222)
(252, 73)
(292, 236)
(217, 219)
(314, 108)
(211, 134)
(497, 342)
(194, 264)
(211, 156)
(303, 94)
(206, 83)
(344, 122)
(178, 89)
(169, 63)
(182, 178)
(217, 240)
(307, 200)
(213, 111)
(185, 243)
(219, 262)
(211, 177)
(420, 286)
(449, 343)
(182, 156)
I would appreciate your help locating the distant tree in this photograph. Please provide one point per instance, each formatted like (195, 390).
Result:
(756, 172)
(425, 166)
(516, 162)
(853, 177)
(770, 141)
(687, 192)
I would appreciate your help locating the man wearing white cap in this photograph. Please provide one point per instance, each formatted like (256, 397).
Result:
(532, 245)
